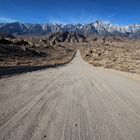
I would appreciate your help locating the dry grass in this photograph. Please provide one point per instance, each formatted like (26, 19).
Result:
(122, 55)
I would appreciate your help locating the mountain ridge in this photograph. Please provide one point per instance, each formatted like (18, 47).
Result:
(97, 28)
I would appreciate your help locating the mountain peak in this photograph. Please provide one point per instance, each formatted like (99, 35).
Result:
(98, 27)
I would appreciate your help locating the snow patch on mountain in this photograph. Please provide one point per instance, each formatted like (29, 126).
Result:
(98, 28)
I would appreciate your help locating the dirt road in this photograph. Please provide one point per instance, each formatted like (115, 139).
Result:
(73, 102)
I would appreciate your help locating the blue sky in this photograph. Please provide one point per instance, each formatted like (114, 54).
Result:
(122, 12)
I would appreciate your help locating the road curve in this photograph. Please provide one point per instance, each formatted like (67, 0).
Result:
(72, 102)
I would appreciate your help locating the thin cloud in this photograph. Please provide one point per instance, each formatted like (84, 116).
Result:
(56, 21)
(112, 15)
(106, 21)
(6, 20)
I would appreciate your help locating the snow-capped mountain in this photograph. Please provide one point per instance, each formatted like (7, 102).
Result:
(97, 28)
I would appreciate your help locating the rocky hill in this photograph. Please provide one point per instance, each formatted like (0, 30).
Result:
(66, 37)
(5, 35)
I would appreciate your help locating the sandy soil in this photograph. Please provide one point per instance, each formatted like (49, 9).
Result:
(127, 74)
(72, 102)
